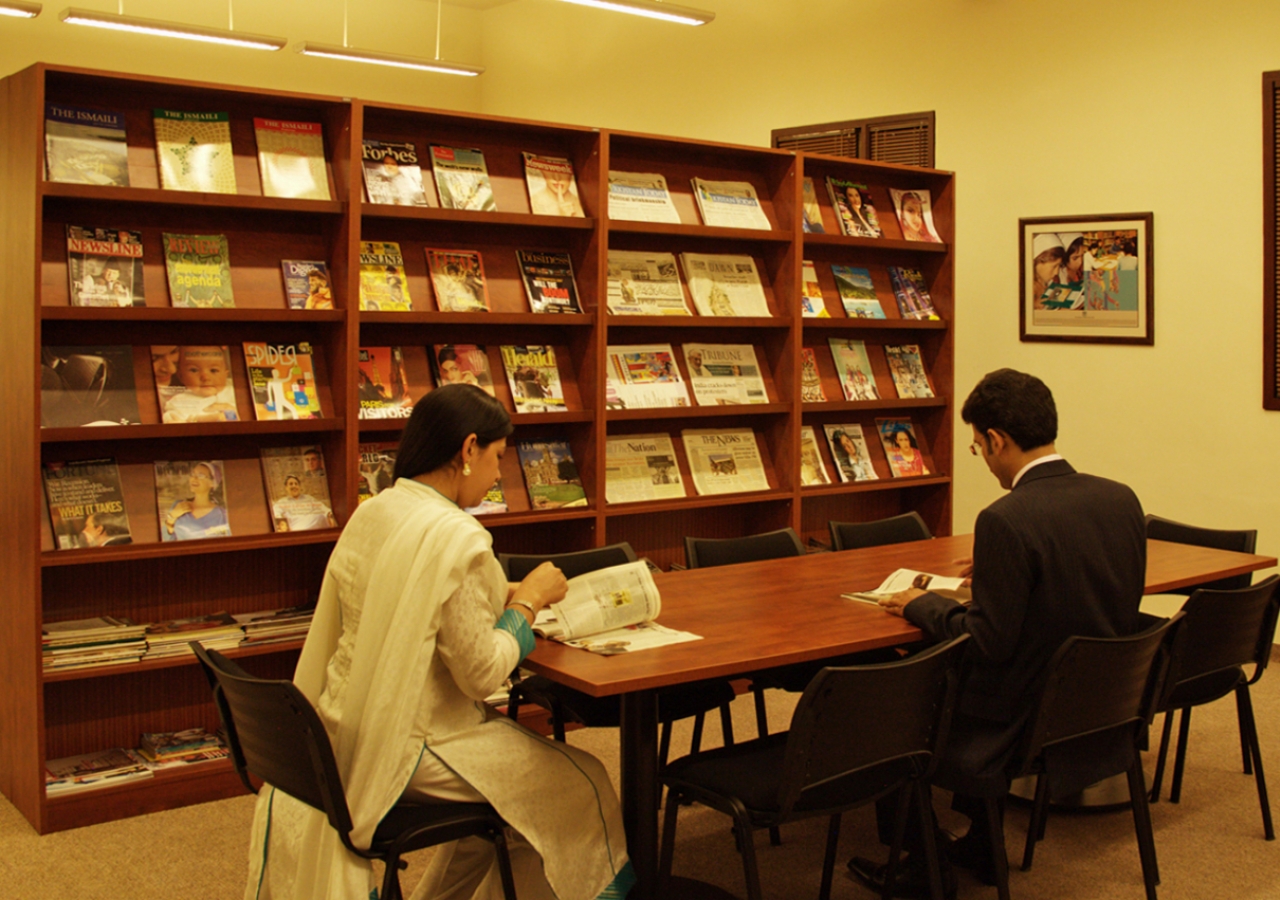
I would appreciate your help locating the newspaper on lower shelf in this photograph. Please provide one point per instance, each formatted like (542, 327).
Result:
(610, 611)
(641, 467)
(724, 461)
(902, 579)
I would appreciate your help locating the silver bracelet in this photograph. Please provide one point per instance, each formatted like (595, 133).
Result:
(529, 606)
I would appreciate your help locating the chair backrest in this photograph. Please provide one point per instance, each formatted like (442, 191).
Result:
(276, 736)
(1099, 684)
(881, 722)
(1226, 630)
(703, 553)
(893, 530)
(518, 565)
(1243, 541)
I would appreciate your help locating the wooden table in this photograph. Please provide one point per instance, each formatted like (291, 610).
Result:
(760, 615)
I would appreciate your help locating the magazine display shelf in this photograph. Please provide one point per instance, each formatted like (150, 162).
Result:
(80, 711)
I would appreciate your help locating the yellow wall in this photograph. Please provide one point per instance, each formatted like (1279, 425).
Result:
(1043, 109)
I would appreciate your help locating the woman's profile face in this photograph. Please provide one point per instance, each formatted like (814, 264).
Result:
(1075, 262)
(1046, 265)
(164, 363)
(485, 469)
(450, 371)
(201, 479)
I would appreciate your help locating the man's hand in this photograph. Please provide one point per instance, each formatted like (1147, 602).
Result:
(966, 566)
(894, 603)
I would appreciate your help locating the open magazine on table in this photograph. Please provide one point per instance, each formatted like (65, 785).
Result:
(901, 579)
(610, 611)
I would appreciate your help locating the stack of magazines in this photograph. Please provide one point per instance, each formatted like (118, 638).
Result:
(93, 770)
(171, 749)
(274, 626)
(82, 643)
(216, 632)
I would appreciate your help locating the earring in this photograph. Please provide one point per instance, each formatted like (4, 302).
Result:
(466, 470)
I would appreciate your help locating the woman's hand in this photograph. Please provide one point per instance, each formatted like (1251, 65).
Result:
(543, 586)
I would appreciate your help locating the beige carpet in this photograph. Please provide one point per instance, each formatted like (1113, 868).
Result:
(1210, 845)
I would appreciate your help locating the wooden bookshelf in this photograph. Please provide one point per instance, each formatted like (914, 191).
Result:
(45, 717)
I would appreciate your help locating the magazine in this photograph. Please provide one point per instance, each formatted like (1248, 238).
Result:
(462, 364)
(88, 643)
(915, 215)
(610, 611)
(200, 389)
(297, 488)
(907, 370)
(494, 501)
(810, 380)
(199, 270)
(857, 292)
(392, 175)
(534, 378)
(812, 306)
(191, 500)
(376, 469)
(462, 179)
(157, 746)
(724, 374)
(902, 447)
(552, 189)
(88, 771)
(853, 207)
(548, 281)
(550, 474)
(306, 284)
(640, 197)
(723, 285)
(903, 579)
(104, 266)
(87, 386)
(853, 368)
(86, 504)
(282, 378)
(812, 469)
(729, 204)
(849, 451)
(217, 631)
(810, 211)
(724, 461)
(641, 467)
(85, 146)
(273, 626)
(457, 277)
(291, 159)
(382, 388)
(193, 151)
(645, 284)
(383, 286)
(913, 297)
(643, 376)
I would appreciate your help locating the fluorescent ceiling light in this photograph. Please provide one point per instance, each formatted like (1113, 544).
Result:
(351, 54)
(20, 9)
(161, 28)
(653, 9)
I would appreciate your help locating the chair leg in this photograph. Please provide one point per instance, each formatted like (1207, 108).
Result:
(391, 880)
(1039, 815)
(667, 848)
(513, 704)
(1180, 759)
(504, 863)
(999, 857)
(1244, 704)
(895, 847)
(695, 744)
(1142, 826)
(928, 829)
(726, 724)
(664, 745)
(742, 827)
(762, 715)
(1244, 743)
(1157, 779)
(829, 861)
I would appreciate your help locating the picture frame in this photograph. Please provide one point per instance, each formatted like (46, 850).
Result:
(1102, 291)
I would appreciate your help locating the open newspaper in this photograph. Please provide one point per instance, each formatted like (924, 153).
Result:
(901, 579)
(610, 611)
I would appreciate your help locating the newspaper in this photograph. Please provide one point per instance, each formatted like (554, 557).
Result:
(724, 374)
(902, 579)
(643, 376)
(724, 461)
(729, 204)
(640, 197)
(645, 284)
(724, 285)
(641, 467)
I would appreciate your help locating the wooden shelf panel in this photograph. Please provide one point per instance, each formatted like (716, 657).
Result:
(702, 231)
(194, 430)
(649, 507)
(717, 322)
(186, 548)
(841, 240)
(858, 405)
(846, 324)
(883, 484)
(537, 516)
(476, 318)
(167, 314)
(472, 217)
(517, 419)
(240, 652)
(156, 196)
(697, 412)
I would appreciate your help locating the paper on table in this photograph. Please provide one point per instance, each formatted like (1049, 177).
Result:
(644, 636)
(901, 579)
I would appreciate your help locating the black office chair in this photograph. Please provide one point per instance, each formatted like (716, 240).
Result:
(703, 553)
(569, 705)
(1224, 632)
(275, 735)
(858, 733)
(1242, 541)
(1097, 696)
(893, 530)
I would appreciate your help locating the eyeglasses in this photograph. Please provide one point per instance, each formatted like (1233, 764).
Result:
(973, 448)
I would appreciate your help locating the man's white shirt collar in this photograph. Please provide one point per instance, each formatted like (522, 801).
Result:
(1031, 465)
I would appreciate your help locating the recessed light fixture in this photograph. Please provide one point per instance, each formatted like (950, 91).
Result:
(20, 9)
(653, 9)
(160, 28)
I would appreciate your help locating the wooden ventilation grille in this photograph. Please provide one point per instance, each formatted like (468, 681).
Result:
(905, 139)
(1271, 238)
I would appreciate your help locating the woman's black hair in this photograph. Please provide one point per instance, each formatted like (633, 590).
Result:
(440, 423)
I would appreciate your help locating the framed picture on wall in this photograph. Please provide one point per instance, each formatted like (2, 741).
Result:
(1087, 279)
